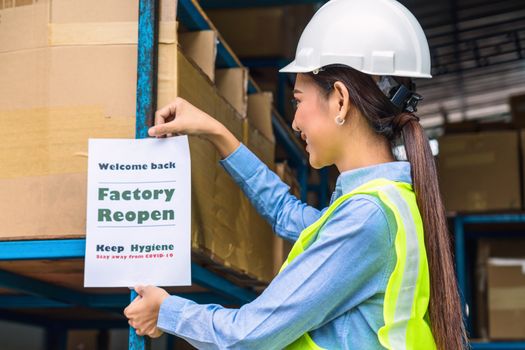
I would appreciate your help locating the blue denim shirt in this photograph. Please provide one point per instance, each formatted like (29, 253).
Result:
(334, 290)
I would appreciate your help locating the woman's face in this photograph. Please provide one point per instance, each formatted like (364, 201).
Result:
(315, 120)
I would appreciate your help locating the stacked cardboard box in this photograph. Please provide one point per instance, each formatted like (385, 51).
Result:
(482, 165)
(500, 292)
(480, 171)
(72, 78)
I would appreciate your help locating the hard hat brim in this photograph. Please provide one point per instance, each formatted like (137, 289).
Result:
(293, 67)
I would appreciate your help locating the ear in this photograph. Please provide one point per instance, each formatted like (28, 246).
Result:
(341, 98)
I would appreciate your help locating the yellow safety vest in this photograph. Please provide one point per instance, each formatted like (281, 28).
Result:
(408, 290)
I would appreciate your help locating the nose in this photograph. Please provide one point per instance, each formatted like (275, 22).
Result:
(294, 126)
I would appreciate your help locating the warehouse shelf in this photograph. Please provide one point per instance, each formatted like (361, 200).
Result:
(461, 233)
(35, 293)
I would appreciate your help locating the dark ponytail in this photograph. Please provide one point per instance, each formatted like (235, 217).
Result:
(445, 307)
(386, 119)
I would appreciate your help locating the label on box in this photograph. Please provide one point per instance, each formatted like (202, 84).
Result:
(138, 227)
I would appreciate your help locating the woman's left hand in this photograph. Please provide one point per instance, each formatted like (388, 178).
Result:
(143, 312)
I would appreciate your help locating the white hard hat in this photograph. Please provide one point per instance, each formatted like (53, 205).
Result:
(379, 37)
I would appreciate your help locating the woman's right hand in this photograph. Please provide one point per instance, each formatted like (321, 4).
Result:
(182, 118)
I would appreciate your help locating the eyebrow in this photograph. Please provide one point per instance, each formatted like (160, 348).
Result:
(296, 91)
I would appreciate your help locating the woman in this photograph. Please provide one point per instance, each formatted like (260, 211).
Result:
(374, 269)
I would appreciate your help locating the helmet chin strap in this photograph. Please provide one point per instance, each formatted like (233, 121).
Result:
(403, 97)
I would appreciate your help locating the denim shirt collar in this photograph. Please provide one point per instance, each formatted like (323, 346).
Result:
(351, 179)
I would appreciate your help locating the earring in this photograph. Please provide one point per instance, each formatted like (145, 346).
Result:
(339, 120)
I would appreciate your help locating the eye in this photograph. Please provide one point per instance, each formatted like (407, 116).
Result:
(295, 102)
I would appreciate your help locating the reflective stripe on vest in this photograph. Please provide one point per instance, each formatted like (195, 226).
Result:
(408, 290)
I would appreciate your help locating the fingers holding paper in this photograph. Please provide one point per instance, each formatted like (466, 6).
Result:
(181, 117)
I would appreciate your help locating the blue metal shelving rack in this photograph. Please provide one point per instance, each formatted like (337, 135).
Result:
(39, 294)
(460, 236)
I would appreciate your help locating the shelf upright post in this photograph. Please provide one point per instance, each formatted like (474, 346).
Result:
(148, 33)
(461, 266)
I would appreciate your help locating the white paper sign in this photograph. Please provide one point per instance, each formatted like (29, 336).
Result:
(138, 213)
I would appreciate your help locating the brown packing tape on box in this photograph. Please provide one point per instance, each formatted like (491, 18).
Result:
(54, 141)
(109, 33)
(35, 18)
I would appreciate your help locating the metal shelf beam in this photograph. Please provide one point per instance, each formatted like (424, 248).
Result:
(99, 301)
(498, 346)
(75, 249)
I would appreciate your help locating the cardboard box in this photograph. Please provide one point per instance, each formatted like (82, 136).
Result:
(260, 113)
(500, 289)
(201, 47)
(233, 86)
(480, 171)
(506, 296)
(61, 94)
(263, 31)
